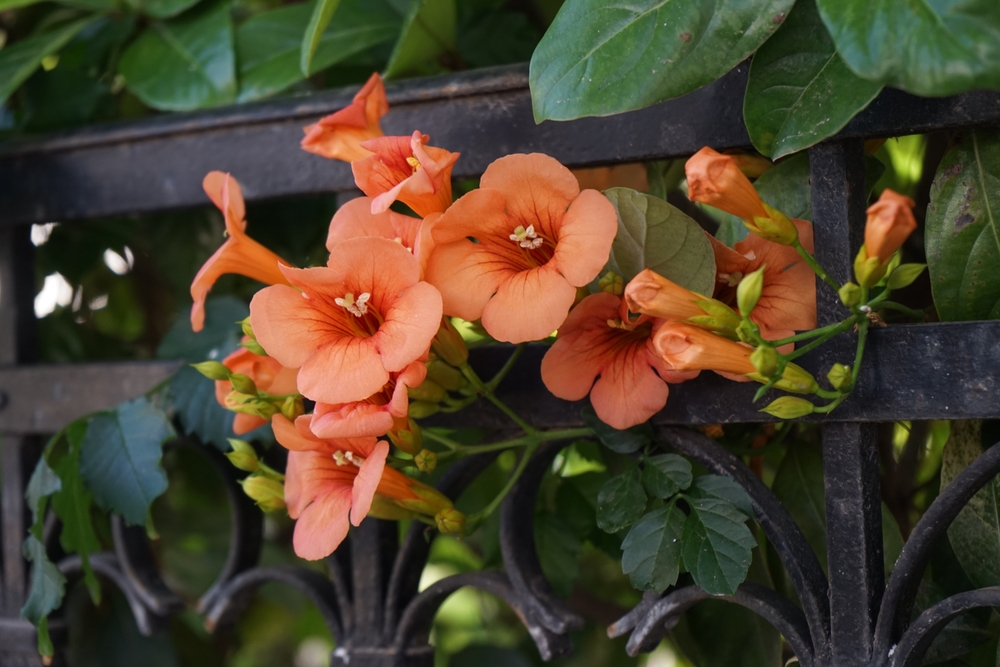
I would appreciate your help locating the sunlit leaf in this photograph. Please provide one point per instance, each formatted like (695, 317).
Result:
(428, 34)
(322, 12)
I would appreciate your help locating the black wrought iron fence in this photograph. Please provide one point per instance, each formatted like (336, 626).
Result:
(370, 601)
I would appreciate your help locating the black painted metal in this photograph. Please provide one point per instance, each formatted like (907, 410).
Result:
(370, 599)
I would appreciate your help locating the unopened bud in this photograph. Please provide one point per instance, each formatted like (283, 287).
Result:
(747, 331)
(254, 347)
(250, 405)
(428, 500)
(213, 370)
(243, 384)
(765, 360)
(388, 509)
(449, 345)
(446, 375)
(776, 227)
(247, 329)
(718, 316)
(292, 407)
(428, 391)
(789, 407)
(450, 521)
(420, 409)
(748, 291)
(243, 455)
(752, 166)
(850, 294)
(269, 494)
(840, 377)
(406, 436)
(797, 380)
(867, 270)
(611, 283)
(426, 460)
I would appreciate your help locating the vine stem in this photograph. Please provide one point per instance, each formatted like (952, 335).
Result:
(811, 261)
(527, 440)
(487, 391)
(444, 440)
(474, 520)
(837, 329)
(509, 364)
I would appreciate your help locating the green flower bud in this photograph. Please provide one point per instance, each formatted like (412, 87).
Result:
(850, 295)
(420, 409)
(408, 439)
(840, 377)
(450, 521)
(429, 391)
(429, 500)
(789, 407)
(765, 360)
(426, 460)
(250, 405)
(269, 494)
(243, 384)
(747, 332)
(797, 380)
(247, 329)
(748, 291)
(243, 455)
(867, 270)
(611, 283)
(292, 407)
(776, 228)
(449, 344)
(446, 375)
(718, 316)
(388, 509)
(254, 347)
(213, 370)
(904, 275)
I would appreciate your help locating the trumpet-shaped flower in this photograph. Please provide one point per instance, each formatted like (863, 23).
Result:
(788, 297)
(376, 415)
(890, 222)
(239, 254)
(355, 219)
(339, 135)
(266, 372)
(404, 168)
(651, 294)
(599, 342)
(348, 325)
(515, 251)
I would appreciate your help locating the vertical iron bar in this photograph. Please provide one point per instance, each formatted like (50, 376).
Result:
(373, 549)
(850, 462)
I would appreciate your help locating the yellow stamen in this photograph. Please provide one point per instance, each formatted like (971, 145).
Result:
(414, 163)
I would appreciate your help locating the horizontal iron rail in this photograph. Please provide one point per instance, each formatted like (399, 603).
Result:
(925, 371)
(158, 163)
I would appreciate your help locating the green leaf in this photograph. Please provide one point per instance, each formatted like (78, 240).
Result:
(428, 34)
(799, 91)
(72, 505)
(963, 229)
(623, 442)
(926, 48)
(269, 44)
(559, 551)
(620, 501)
(798, 484)
(220, 336)
(20, 60)
(599, 58)
(904, 275)
(161, 9)
(652, 234)
(975, 532)
(14, 4)
(322, 12)
(184, 63)
(666, 474)
(717, 545)
(722, 488)
(960, 636)
(120, 458)
(651, 552)
(43, 483)
(496, 38)
(48, 585)
(716, 633)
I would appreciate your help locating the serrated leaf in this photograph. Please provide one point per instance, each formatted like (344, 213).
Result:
(559, 551)
(193, 396)
(72, 505)
(220, 336)
(666, 474)
(120, 458)
(651, 552)
(19, 60)
(722, 488)
(43, 483)
(184, 63)
(620, 501)
(429, 32)
(963, 229)
(652, 234)
(926, 48)
(599, 58)
(624, 442)
(48, 585)
(319, 19)
(717, 545)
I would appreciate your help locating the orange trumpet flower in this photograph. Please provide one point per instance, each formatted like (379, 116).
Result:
(239, 254)
(404, 168)
(339, 135)
(355, 219)
(266, 372)
(514, 251)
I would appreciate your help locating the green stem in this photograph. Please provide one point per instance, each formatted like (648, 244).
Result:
(447, 442)
(540, 437)
(819, 270)
(509, 364)
(916, 314)
(838, 328)
(474, 520)
(812, 333)
(486, 391)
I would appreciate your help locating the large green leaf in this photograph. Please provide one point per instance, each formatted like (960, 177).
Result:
(558, 550)
(185, 63)
(963, 229)
(620, 501)
(666, 474)
(72, 505)
(929, 47)
(268, 45)
(799, 91)
(120, 458)
(975, 532)
(599, 58)
(651, 552)
(428, 34)
(319, 19)
(652, 234)
(798, 484)
(960, 636)
(717, 545)
(624, 442)
(160, 9)
(715, 633)
(19, 60)
(724, 488)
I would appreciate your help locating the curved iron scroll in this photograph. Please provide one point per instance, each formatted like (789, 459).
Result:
(913, 645)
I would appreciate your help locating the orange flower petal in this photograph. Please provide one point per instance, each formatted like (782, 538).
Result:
(410, 325)
(355, 219)
(365, 484)
(343, 370)
(339, 135)
(529, 305)
(323, 525)
(585, 237)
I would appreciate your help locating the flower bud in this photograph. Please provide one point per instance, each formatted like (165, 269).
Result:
(716, 180)
(243, 456)
(449, 344)
(748, 291)
(765, 360)
(445, 375)
(651, 294)
(890, 222)
(840, 378)
(254, 347)
(752, 166)
(426, 460)
(747, 331)
(420, 409)
(213, 370)
(428, 391)
(850, 294)
(904, 275)
(797, 380)
(789, 407)
(247, 329)
(250, 405)
(867, 270)
(388, 509)
(611, 283)
(269, 494)
(428, 500)
(243, 384)
(774, 227)
(292, 407)
(450, 521)
(406, 436)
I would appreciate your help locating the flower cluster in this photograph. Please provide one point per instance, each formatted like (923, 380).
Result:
(369, 339)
